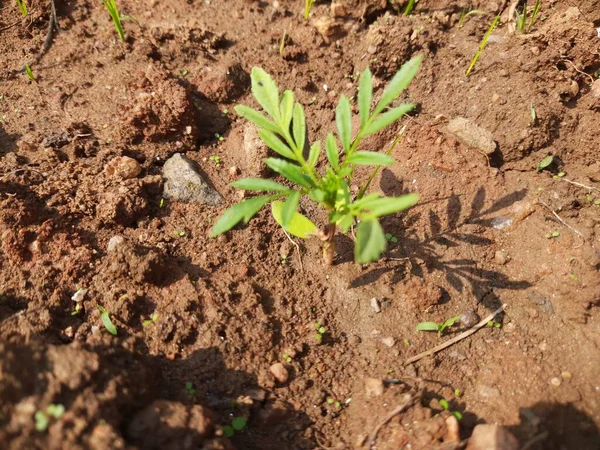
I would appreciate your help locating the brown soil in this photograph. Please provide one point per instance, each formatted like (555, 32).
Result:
(228, 308)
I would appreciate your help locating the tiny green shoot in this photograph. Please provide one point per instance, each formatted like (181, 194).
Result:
(547, 161)
(113, 11)
(42, 418)
(439, 327)
(77, 309)
(237, 424)
(409, 7)
(307, 5)
(22, 5)
(283, 40)
(219, 138)
(287, 358)
(161, 203)
(108, 324)
(464, 15)
(521, 17)
(189, 387)
(553, 234)
(153, 318)
(391, 238)
(29, 72)
(482, 45)
(446, 407)
(493, 324)
(216, 159)
(179, 233)
(457, 393)
(321, 330)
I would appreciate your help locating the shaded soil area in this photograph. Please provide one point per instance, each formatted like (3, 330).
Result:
(201, 322)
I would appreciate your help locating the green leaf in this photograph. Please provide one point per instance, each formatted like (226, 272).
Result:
(370, 241)
(289, 208)
(427, 326)
(452, 321)
(286, 107)
(239, 423)
(343, 120)
(276, 144)
(315, 152)
(457, 414)
(255, 117)
(545, 163)
(299, 226)
(240, 211)
(364, 158)
(444, 404)
(228, 431)
(56, 410)
(290, 171)
(365, 96)
(345, 222)
(387, 118)
(299, 127)
(258, 184)
(41, 420)
(331, 150)
(400, 82)
(390, 205)
(105, 318)
(266, 92)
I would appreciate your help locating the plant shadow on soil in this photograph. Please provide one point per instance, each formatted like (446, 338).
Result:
(416, 254)
(116, 385)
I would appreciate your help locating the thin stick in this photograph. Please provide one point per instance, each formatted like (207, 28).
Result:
(456, 339)
(578, 70)
(562, 221)
(297, 248)
(575, 183)
(8, 27)
(389, 417)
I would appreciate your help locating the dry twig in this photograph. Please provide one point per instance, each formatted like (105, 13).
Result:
(297, 249)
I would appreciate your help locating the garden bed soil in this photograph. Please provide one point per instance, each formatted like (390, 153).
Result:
(487, 231)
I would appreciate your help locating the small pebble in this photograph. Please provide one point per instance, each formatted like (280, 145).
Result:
(470, 319)
(114, 242)
(500, 257)
(375, 306)
(388, 341)
(123, 167)
(374, 387)
(279, 372)
(233, 171)
(555, 381)
(566, 375)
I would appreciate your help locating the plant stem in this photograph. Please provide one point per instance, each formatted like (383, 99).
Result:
(329, 245)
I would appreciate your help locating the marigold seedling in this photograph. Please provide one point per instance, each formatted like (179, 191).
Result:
(457, 393)
(321, 330)
(108, 324)
(493, 324)
(287, 358)
(285, 133)
(482, 44)
(22, 5)
(113, 11)
(546, 162)
(439, 327)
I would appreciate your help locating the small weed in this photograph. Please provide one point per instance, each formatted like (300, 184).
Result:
(29, 72)
(464, 15)
(77, 309)
(153, 319)
(113, 11)
(219, 138)
(216, 159)
(321, 330)
(287, 358)
(283, 260)
(179, 233)
(573, 277)
(521, 17)
(493, 324)
(559, 175)
(552, 235)
(108, 324)
(189, 388)
(42, 418)
(391, 238)
(22, 5)
(482, 45)
(457, 393)
(183, 73)
(307, 5)
(546, 162)
(439, 327)
(225, 112)
(332, 401)
(446, 407)
(409, 7)
(406, 342)
(237, 424)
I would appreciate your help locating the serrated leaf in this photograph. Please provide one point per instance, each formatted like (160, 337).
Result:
(240, 211)
(343, 120)
(276, 144)
(290, 171)
(299, 226)
(266, 92)
(289, 208)
(331, 150)
(258, 184)
(364, 158)
(387, 118)
(313, 155)
(370, 241)
(286, 108)
(299, 127)
(390, 205)
(255, 117)
(365, 95)
(427, 326)
(108, 324)
(399, 82)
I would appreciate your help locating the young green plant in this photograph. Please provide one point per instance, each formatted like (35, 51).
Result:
(465, 14)
(106, 321)
(482, 45)
(307, 5)
(29, 72)
(113, 11)
(22, 5)
(285, 133)
(409, 7)
(521, 17)
(439, 327)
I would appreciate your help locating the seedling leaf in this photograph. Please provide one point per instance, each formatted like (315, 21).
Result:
(427, 326)
(108, 324)
(387, 118)
(290, 171)
(364, 158)
(399, 82)
(370, 241)
(343, 119)
(331, 149)
(286, 108)
(390, 205)
(256, 117)
(228, 431)
(276, 144)
(315, 152)
(289, 208)
(299, 127)
(266, 92)
(545, 163)
(299, 225)
(258, 184)
(365, 96)
(239, 423)
(241, 211)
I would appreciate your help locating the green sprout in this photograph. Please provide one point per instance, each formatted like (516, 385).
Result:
(219, 138)
(439, 327)
(286, 135)
(457, 393)
(179, 233)
(183, 73)
(153, 319)
(482, 45)
(161, 203)
(216, 159)
(521, 17)
(77, 309)
(22, 5)
(287, 358)
(553, 234)
(493, 324)
(307, 5)
(446, 407)
(224, 112)
(237, 424)
(332, 401)
(547, 161)
(409, 7)
(465, 14)
(391, 238)
(29, 72)
(321, 330)
(42, 418)
(189, 387)
(113, 11)
(108, 324)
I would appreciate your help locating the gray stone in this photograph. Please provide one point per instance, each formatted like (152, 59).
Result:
(492, 437)
(184, 182)
(472, 135)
